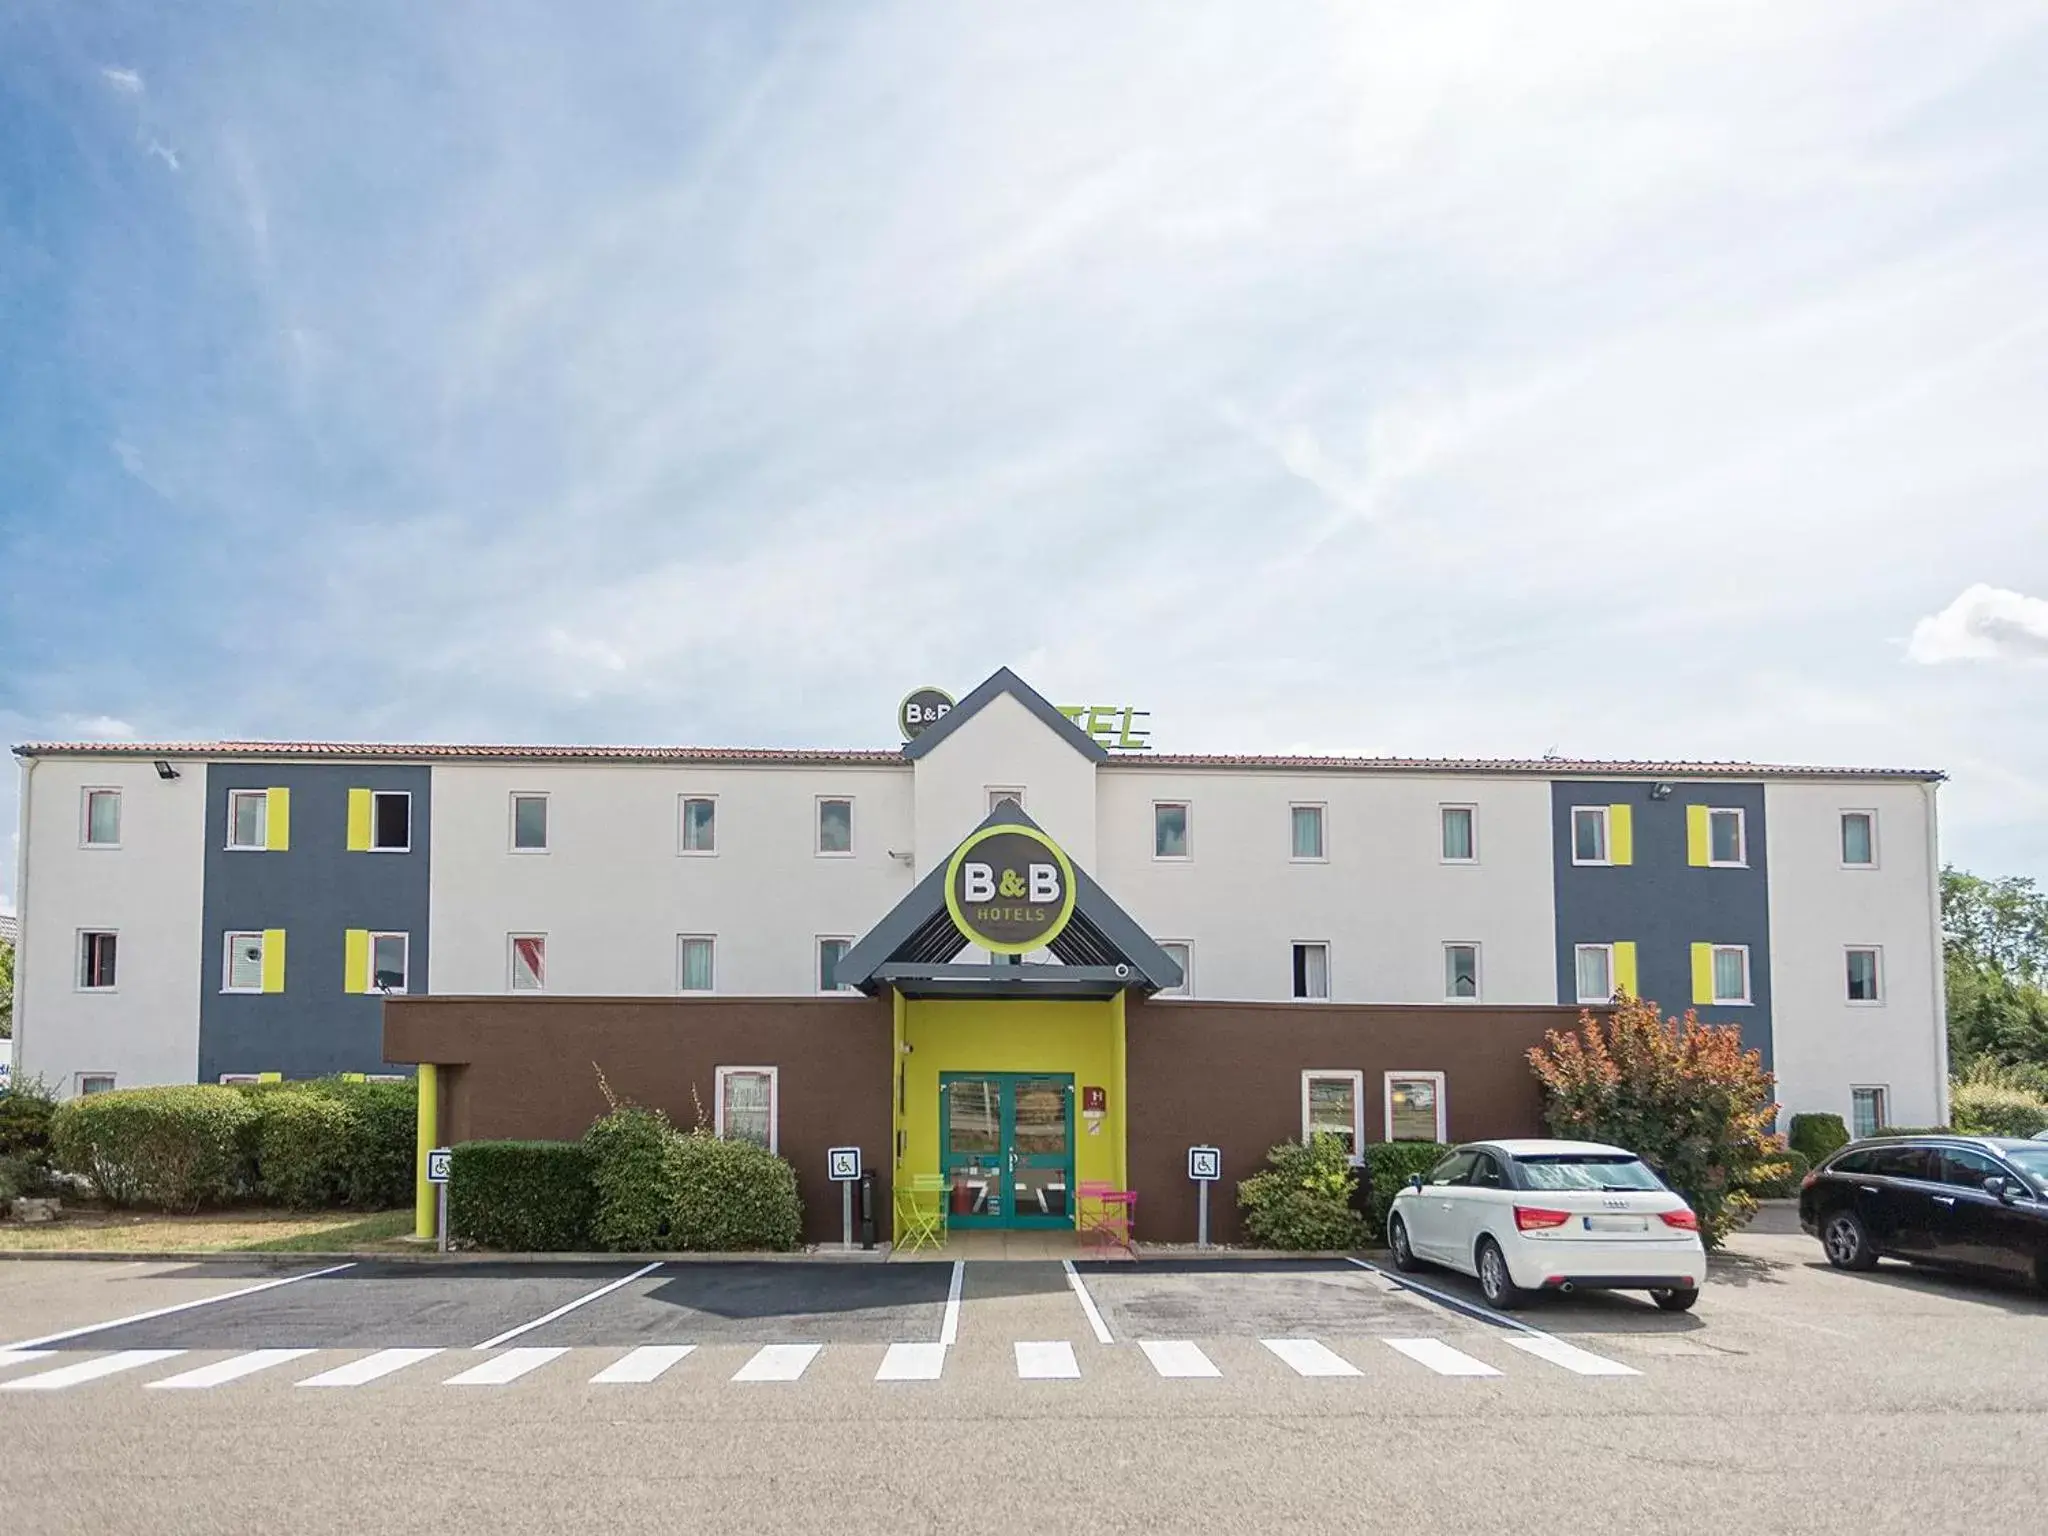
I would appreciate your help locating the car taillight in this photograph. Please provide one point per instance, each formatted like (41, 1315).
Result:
(1529, 1218)
(1684, 1220)
(1810, 1180)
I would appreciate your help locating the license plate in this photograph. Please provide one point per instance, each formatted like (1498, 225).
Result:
(1616, 1223)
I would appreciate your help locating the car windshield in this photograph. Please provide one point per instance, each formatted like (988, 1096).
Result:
(1586, 1170)
(2031, 1161)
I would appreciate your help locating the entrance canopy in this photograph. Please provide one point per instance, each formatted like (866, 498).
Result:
(1099, 952)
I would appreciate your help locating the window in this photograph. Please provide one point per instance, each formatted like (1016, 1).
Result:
(1455, 1169)
(1859, 839)
(699, 825)
(529, 823)
(1596, 972)
(102, 819)
(1725, 842)
(248, 818)
(1169, 829)
(96, 962)
(1415, 1106)
(1731, 973)
(1589, 834)
(1183, 955)
(1308, 832)
(1864, 986)
(1461, 839)
(997, 796)
(390, 954)
(747, 1105)
(830, 953)
(1461, 972)
(835, 826)
(1486, 1172)
(391, 821)
(1867, 1114)
(95, 1082)
(693, 963)
(529, 961)
(1312, 971)
(1895, 1162)
(242, 970)
(1584, 1171)
(1334, 1102)
(1969, 1170)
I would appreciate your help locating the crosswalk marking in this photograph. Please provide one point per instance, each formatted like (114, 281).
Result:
(912, 1362)
(1047, 1362)
(22, 1356)
(1581, 1362)
(222, 1371)
(778, 1362)
(1309, 1358)
(1178, 1357)
(508, 1365)
(1440, 1357)
(369, 1368)
(644, 1364)
(88, 1370)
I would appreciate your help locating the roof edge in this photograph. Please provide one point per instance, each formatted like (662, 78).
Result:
(1002, 681)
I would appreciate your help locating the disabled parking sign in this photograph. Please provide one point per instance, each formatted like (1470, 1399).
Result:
(845, 1164)
(1204, 1164)
(437, 1165)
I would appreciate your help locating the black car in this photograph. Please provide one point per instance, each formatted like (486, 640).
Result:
(1963, 1202)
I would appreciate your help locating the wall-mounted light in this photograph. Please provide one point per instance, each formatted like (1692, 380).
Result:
(1660, 791)
(164, 770)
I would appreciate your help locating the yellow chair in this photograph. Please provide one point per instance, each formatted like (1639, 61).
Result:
(921, 1212)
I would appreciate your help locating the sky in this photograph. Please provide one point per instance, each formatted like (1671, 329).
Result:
(1605, 380)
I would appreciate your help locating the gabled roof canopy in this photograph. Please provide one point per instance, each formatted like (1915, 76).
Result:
(1002, 681)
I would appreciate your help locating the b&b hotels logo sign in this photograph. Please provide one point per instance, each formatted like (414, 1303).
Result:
(1010, 889)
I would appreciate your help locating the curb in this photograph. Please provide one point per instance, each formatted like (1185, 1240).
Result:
(430, 1256)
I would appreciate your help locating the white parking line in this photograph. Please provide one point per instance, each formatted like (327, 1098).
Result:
(509, 1366)
(369, 1368)
(1047, 1362)
(233, 1369)
(949, 1330)
(567, 1307)
(912, 1362)
(88, 1370)
(1178, 1357)
(1308, 1357)
(183, 1306)
(1440, 1357)
(644, 1364)
(1581, 1362)
(778, 1362)
(22, 1356)
(1102, 1334)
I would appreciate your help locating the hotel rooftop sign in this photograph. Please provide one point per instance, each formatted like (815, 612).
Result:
(1114, 726)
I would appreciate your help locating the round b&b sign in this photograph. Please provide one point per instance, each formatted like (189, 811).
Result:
(1010, 889)
(921, 710)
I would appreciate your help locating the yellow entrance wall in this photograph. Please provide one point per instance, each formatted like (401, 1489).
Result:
(1082, 1039)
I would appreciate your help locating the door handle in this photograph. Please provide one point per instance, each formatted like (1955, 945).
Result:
(1944, 1199)
(1870, 1189)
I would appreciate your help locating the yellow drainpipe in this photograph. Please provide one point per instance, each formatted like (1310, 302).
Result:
(430, 1129)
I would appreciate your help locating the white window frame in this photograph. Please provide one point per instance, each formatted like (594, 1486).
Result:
(683, 823)
(1741, 859)
(1748, 982)
(386, 794)
(818, 964)
(1884, 1106)
(1187, 971)
(1876, 952)
(1322, 810)
(818, 828)
(1608, 995)
(1471, 820)
(774, 1076)
(1605, 813)
(683, 939)
(80, 1079)
(1187, 826)
(1356, 1079)
(1478, 972)
(85, 815)
(512, 962)
(1329, 981)
(235, 796)
(1856, 810)
(547, 821)
(1387, 1102)
(997, 795)
(227, 961)
(370, 986)
(78, 961)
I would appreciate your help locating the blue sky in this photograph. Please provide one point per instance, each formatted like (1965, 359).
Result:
(1612, 380)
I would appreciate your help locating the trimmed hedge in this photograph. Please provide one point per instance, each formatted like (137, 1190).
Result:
(369, 1160)
(178, 1147)
(303, 1141)
(1817, 1136)
(1785, 1186)
(731, 1196)
(633, 1176)
(26, 1110)
(1985, 1109)
(1388, 1165)
(1303, 1201)
(521, 1196)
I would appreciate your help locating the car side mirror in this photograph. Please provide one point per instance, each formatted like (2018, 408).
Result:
(2001, 1188)
(1415, 1181)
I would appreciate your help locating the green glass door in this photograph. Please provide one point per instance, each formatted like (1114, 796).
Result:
(1007, 1148)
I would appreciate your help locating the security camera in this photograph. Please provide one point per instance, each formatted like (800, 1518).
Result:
(1122, 970)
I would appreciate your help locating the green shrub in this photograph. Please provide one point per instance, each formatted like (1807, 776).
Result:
(1981, 1109)
(178, 1148)
(633, 1171)
(375, 1157)
(1303, 1201)
(304, 1143)
(1387, 1167)
(521, 1196)
(26, 1110)
(1918, 1130)
(1817, 1137)
(1784, 1184)
(731, 1196)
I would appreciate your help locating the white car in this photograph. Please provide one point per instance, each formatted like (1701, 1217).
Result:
(1532, 1216)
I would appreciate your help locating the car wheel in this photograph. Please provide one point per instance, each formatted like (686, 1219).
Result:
(1495, 1283)
(1677, 1298)
(1846, 1242)
(1397, 1239)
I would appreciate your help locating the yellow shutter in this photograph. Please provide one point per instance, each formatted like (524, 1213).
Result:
(1698, 843)
(278, 820)
(355, 963)
(1621, 834)
(273, 959)
(1625, 968)
(353, 1077)
(1703, 973)
(269, 1077)
(359, 821)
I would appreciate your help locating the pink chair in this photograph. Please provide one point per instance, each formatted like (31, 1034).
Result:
(1105, 1216)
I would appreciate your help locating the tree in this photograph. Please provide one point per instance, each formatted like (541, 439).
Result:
(1995, 962)
(1682, 1095)
(6, 991)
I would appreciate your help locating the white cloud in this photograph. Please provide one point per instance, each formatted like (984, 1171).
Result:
(96, 728)
(127, 81)
(163, 152)
(1985, 623)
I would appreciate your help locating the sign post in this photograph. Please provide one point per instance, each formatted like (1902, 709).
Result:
(1205, 1167)
(844, 1164)
(437, 1175)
